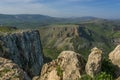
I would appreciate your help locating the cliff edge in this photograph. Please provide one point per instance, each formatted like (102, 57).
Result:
(23, 48)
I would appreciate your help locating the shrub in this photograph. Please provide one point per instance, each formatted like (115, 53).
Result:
(108, 67)
(59, 71)
(100, 76)
(86, 77)
(5, 70)
(103, 76)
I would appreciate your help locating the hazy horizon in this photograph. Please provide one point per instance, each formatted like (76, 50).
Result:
(63, 8)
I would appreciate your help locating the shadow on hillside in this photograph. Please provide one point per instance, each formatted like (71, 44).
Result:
(47, 59)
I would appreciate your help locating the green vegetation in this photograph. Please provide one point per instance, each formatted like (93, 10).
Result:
(107, 72)
(35, 21)
(5, 70)
(103, 76)
(116, 34)
(59, 34)
(86, 77)
(16, 76)
(51, 53)
(59, 37)
(108, 67)
(7, 29)
(59, 71)
(100, 76)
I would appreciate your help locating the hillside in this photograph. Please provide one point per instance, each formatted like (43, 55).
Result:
(28, 55)
(35, 20)
(80, 38)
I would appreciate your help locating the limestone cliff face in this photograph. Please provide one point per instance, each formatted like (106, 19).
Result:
(68, 66)
(25, 49)
(94, 62)
(59, 37)
(114, 56)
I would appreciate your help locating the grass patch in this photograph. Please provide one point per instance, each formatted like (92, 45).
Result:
(7, 29)
(5, 70)
(100, 76)
(51, 53)
(59, 71)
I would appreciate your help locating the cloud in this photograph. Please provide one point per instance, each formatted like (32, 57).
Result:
(61, 8)
(15, 1)
(27, 7)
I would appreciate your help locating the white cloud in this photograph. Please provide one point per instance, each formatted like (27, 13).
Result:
(28, 8)
(14, 1)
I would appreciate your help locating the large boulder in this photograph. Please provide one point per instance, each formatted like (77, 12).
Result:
(114, 56)
(23, 48)
(94, 62)
(68, 66)
(11, 71)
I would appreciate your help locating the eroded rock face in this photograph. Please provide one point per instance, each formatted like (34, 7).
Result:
(68, 66)
(118, 78)
(94, 62)
(25, 49)
(11, 71)
(114, 56)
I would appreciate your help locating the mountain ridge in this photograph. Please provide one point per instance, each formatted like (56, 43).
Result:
(37, 20)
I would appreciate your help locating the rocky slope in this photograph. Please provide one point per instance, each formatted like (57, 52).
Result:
(21, 54)
(23, 48)
(72, 66)
(11, 71)
(79, 38)
(59, 36)
(68, 66)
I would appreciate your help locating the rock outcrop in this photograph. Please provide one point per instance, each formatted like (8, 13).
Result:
(114, 56)
(94, 62)
(68, 66)
(11, 71)
(118, 78)
(23, 48)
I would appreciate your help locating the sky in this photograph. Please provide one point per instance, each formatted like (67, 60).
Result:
(63, 8)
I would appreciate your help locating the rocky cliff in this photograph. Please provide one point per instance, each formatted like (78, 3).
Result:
(23, 48)
(114, 56)
(11, 71)
(79, 38)
(94, 62)
(68, 66)
(72, 66)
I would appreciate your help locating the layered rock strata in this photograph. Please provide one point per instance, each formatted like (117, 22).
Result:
(23, 48)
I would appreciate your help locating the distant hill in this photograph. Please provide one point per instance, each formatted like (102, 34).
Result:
(36, 20)
(79, 38)
(24, 20)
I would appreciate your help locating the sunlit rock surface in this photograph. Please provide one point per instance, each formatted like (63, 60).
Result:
(94, 62)
(68, 66)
